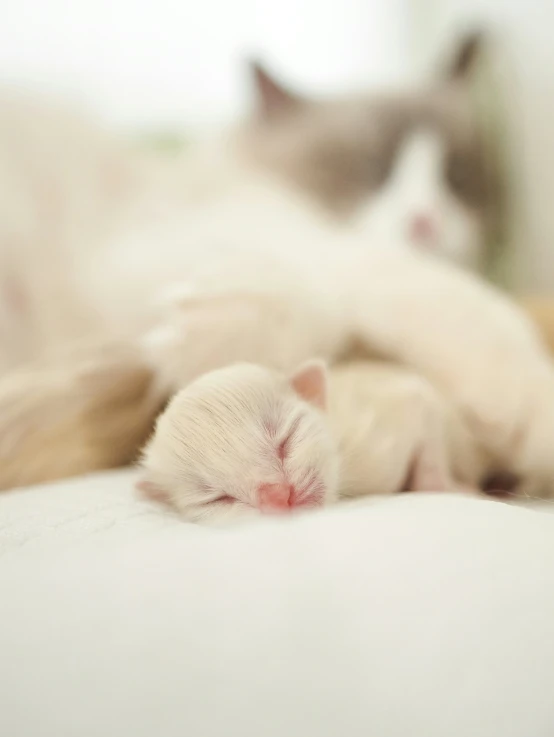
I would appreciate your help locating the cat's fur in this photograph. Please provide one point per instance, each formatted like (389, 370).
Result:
(397, 433)
(64, 182)
(475, 346)
(497, 384)
(236, 432)
(243, 439)
(89, 412)
(230, 219)
(541, 311)
(91, 232)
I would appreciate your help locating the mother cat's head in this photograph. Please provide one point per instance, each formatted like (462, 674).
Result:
(407, 169)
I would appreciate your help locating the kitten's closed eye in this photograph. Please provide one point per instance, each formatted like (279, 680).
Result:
(284, 446)
(208, 490)
(220, 446)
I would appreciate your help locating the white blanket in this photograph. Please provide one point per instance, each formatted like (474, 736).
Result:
(419, 616)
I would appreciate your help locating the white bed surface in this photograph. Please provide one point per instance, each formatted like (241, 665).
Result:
(427, 616)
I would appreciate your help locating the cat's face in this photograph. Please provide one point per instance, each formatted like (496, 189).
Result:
(243, 440)
(408, 171)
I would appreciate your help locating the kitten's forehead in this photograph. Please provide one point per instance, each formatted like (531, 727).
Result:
(233, 395)
(234, 382)
(219, 420)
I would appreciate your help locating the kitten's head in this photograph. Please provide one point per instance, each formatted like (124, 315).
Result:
(407, 170)
(244, 439)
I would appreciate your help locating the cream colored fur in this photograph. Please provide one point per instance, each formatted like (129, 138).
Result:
(396, 432)
(472, 343)
(219, 438)
(370, 407)
(89, 412)
(100, 256)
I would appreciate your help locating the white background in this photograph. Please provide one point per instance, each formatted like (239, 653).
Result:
(180, 61)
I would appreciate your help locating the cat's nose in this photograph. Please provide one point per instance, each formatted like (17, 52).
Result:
(422, 228)
(275, 497)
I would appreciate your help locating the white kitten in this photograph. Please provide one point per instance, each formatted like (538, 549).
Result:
(244, 440)
(397, 433)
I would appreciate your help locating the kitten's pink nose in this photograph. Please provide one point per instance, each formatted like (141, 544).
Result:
(275, 497)
(422, 228)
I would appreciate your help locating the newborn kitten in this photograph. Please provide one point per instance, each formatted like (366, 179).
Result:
(397, 433)
(245, 440)
(241, 441)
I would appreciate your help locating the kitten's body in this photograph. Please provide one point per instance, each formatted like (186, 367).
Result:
(396, 432)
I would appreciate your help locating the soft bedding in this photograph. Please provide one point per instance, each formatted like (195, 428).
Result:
(420, 615)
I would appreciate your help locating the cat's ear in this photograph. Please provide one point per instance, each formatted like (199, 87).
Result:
(272, 98)
(310, 382)
(465, 55)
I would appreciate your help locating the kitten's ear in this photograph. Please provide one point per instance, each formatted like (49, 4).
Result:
(272, 98)
(465, 55)
(309, 381)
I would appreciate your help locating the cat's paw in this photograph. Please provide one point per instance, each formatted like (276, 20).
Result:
(203, 330)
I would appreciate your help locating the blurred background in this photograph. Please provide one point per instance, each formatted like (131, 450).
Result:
(176, 65)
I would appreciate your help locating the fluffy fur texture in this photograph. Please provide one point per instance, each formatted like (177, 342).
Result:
(95, 410)
(92, 253)
(472, 343)
(76, 416)
(243, 440)
(91, 232)
(397, 433)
